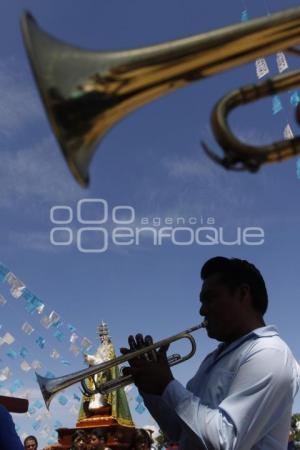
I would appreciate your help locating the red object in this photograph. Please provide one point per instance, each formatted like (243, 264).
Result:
(14, 404)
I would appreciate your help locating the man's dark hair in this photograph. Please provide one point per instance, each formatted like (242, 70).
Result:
(78, 434)
(235, 272)
(98, 433)
(32, 438)
(141, 436)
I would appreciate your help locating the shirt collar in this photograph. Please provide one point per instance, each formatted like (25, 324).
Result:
(266, 331)
(269, 330)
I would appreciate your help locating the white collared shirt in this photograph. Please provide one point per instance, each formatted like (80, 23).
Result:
(240, 398)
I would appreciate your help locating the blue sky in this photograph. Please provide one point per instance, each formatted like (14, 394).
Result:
(152, 163)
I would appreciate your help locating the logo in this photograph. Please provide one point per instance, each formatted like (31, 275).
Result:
(93, 227)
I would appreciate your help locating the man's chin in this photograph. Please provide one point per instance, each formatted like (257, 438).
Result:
(213, 334)
(210, 332)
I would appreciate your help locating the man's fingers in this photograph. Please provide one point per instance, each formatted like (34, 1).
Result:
(162, 352)
(133, 371)
(164, 348)
(124, 350)
(126, 371)
(139, 340)
(148, 340)
(132, 343)
(151, 355)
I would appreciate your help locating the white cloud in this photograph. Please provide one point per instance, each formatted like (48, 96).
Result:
(35, 173)
(39, 241)
(187, 168)
(209, 185)
(19, 102)
(254, 136)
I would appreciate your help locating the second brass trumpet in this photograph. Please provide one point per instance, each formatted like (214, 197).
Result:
(50, 386)
(85, 93)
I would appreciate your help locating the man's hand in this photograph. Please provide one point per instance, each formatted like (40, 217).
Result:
(151, 372)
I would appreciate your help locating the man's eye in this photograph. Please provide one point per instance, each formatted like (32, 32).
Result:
(209, 298)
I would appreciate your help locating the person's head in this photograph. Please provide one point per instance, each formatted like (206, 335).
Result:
(30, 443)
(141, 440)
(79, 440)
(97, 439)
(291, 436)
(233, 297)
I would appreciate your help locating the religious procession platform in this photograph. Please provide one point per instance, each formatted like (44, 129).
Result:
(111, 413)
(118, 437)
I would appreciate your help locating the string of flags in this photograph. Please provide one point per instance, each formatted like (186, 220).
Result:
(262, 69)
(37, 338)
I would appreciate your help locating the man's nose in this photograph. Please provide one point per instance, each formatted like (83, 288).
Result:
(202, 310)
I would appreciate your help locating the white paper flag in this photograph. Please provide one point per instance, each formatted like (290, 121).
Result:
(8, 338)
(25, 366)
(27, 328)
(261, 67)
(288, 133)
(281, 62)
(16, 286)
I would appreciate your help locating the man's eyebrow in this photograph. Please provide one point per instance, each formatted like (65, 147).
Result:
(205, 293)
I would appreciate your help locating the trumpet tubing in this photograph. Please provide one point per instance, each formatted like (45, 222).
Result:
(123, 381)
(50, 386)
(239, 155)
(85, 93)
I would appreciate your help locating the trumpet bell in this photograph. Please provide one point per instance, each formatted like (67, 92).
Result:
(71, 104)
(46, 393)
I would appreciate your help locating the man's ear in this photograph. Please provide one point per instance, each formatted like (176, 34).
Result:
(245, 291)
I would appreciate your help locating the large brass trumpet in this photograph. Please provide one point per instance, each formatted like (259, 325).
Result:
(86, 92)
(50, 386)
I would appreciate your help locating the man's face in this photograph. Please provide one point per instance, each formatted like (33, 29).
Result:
(96, 443)
(142, 446)
(222, 308)
(30, 444)
(80, 443)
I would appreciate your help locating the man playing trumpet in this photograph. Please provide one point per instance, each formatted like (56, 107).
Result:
(241, 396)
